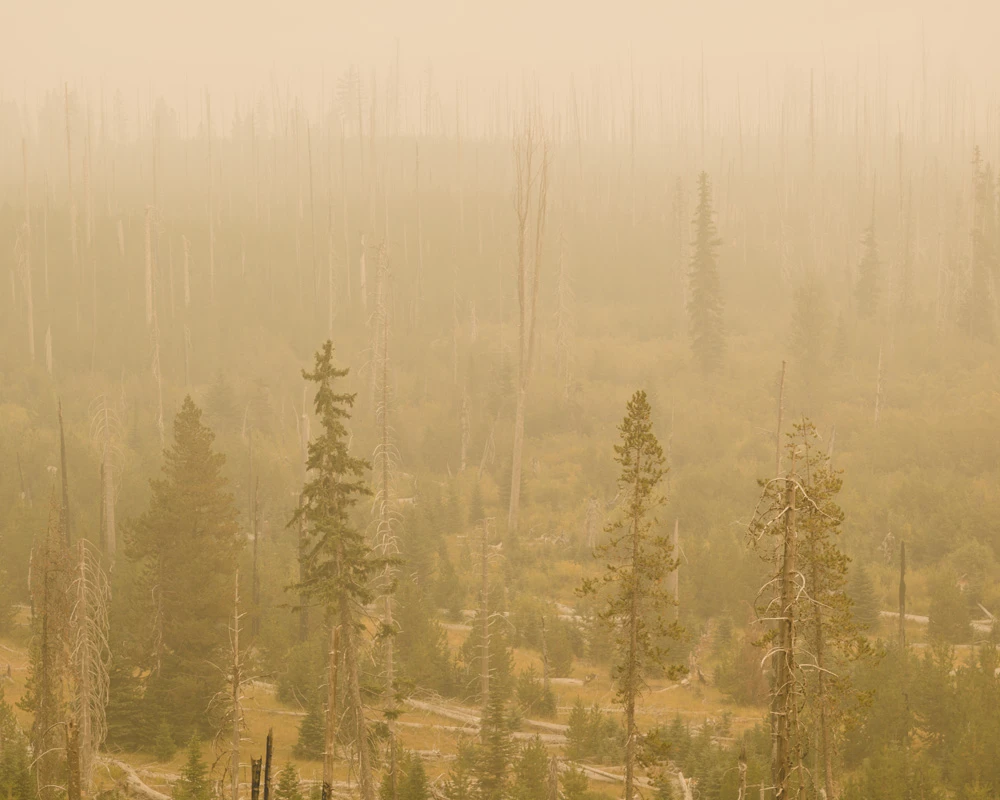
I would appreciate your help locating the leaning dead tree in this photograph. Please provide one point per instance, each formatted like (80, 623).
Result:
(90, 657)
(531, 170)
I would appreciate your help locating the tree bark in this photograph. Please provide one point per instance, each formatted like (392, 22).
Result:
(781, 708)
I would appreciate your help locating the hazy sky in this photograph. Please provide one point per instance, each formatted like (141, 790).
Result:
(239, 44)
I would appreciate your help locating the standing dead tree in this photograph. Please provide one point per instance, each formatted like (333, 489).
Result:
(107, 429)
(386, 517)
(90, 657)
(531, 169)
(773, 532)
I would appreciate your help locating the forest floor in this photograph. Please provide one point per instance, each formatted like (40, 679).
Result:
(430, 726)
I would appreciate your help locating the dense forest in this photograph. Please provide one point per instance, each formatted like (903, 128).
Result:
(412, 440)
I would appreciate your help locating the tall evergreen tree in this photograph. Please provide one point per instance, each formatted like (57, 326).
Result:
(194, 783)
(705, 304)
(339, 563)
(186, 545)
(495, 753)
(633, 589)
(976, 312)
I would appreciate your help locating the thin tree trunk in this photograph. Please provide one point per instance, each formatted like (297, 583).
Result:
(365, 779)
(631, 676)
(330, 731)
(485, 622)
(234, 767)
(782, 703)
(65, 482)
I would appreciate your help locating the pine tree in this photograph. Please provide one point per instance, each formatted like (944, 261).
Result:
(496, 749)
(288, 784)
(531, 772)
(414, 785)
(976, 313)
(575, 785)
(796, 527)
(194, 783)
(186, 545)
(861, 590)
(867, 292)
(460, 783)
(638, 558)
(339, 563)
(16, 781)
(311, 735)
(705, 304)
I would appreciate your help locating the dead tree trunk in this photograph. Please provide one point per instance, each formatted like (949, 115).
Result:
(234, 767)
(532, 197)
(902, 596)
(784, 666)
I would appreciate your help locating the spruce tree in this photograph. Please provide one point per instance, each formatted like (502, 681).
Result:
(861, 590)
(633, 589)
(288, 784)
(531, 772)
(339, 562)
(460, 783)
(496, 749)
(311, 734)
(705, 304)
(186, 545)
(194, 783)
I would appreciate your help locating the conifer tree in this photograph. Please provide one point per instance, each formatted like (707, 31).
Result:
(632, 590)
(861, 590)
(185, 545)
(311, 735)
(194, 783)
(796, 527)
(16, 782)
(288, 784)
(705, 304)
(496, 749)
(976, 313)
(460, 783)
(339, 563)
(531, 772)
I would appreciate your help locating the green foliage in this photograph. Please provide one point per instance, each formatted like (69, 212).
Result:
(421, 646)
(495, 753)
(194, 783)
(594, 736)
(185, 545)
(461, 781)
(164, 746)
(288, 787)
(339, 563)
(311, 742)
(705, 304)
(861, 591)
(535, 697)
(950, 620)
(16, 775)
(531, 772)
